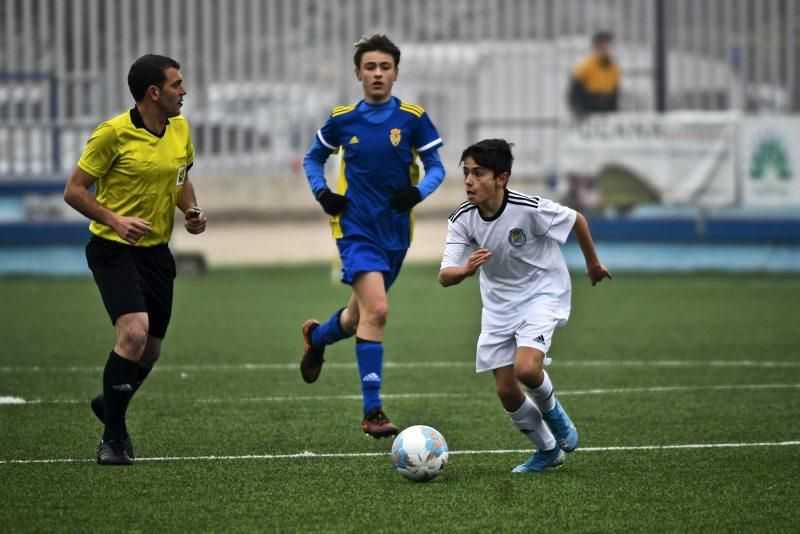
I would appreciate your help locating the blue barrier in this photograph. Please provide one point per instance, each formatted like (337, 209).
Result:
(18, 188)
(753, 230)
(15, 231)
(708, 230)
(649, 224)
(658, 229)
(615, 230)
(43, 233)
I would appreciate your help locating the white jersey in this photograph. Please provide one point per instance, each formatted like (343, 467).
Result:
(526, 272)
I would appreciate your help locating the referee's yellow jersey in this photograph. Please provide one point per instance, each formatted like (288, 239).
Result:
(138, 173)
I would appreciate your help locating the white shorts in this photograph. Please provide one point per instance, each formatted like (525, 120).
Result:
(498, 349)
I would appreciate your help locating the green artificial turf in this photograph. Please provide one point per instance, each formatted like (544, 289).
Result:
(646, 360)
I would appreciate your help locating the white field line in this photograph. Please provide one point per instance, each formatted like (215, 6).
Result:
(20, 400)
(667, 389)
(310, 454)
(293, 366)
(312, 398)
(597, 391)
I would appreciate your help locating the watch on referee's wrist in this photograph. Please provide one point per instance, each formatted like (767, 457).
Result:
(193, 212)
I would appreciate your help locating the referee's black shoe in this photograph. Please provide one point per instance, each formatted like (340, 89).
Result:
(112, 452)
(100, 412)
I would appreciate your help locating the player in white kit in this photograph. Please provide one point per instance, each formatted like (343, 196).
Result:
(525, 288)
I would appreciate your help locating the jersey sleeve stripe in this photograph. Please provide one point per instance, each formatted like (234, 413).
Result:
(517, 193)
(528, 200)
(460, 206)
(435, 142)
(414, 111)
(417, 115)
(341, 110)
(415, 107)
(521, 203)
(457, 243)
(514, 194)
(525, 198)
(323, 141)
(460, 212)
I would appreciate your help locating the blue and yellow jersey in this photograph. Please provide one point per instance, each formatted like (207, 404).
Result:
(139, 174)
(377, 159)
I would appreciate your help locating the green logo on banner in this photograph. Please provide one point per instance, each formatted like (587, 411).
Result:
(770, 153)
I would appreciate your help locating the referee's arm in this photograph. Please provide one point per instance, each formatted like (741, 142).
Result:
(187, 203)
(78, 196)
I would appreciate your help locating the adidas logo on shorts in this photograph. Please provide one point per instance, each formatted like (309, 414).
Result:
(540, 339)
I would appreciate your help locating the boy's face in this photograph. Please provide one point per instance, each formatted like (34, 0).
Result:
(377, 74)
(480, 183)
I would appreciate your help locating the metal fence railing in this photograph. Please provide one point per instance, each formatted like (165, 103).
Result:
(263, 74)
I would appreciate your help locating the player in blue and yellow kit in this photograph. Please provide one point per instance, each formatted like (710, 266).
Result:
(380, 138)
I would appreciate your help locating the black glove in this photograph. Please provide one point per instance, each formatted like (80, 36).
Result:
(406, 198)
(332, 203)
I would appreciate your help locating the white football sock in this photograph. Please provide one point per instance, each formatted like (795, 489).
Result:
(529, 420)
(543, 395)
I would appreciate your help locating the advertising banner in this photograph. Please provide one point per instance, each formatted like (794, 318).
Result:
(770, 160)
(672, 159)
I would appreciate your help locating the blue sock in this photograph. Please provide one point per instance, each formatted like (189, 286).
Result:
(370, 367)
(330, 331)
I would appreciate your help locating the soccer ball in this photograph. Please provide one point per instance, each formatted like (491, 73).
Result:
(419, 453)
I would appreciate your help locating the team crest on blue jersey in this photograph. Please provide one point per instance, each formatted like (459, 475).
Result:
(394, 136)
(517, 237)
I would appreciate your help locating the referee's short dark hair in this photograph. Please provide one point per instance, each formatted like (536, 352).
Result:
(149, 70)
(602, 37)
(492, 154)
(371, 43)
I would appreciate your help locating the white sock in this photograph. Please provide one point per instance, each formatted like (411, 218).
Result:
(543, 395)
(529, 420)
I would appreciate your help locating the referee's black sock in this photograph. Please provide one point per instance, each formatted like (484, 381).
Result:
(141, 374)
(119, 381)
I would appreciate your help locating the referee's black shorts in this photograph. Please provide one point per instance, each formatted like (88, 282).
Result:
(134, 279)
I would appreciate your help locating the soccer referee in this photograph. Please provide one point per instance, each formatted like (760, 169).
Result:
(139, 163)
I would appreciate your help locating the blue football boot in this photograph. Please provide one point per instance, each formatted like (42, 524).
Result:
(541, 460)
(562, 428)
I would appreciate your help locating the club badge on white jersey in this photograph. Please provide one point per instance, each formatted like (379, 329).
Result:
(517, 237)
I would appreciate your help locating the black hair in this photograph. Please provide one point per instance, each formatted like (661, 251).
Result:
(149, 70)
(602, 37)
(379, 42)
(493, 154)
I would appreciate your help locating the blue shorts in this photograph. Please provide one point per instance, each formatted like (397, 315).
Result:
(361, 256)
